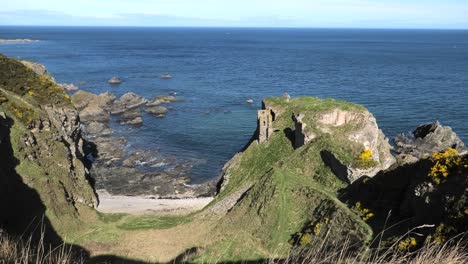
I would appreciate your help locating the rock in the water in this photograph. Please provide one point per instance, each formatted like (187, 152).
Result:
(128, 101)
(163, 99)
(427, 139)
(131, 117)
(139, 158)
(110, 149)
(157, 110)
(166, 76)
(115, 80)
(94, 113)
(95, 129)
(92, 107)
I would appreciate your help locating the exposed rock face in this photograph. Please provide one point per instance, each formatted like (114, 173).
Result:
(427, 139)
(37, 68)
(373, 139)
(265, 125)
(301, 136)
(365, 133)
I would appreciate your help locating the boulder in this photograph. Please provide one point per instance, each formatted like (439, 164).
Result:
(110, 149)
(159, 111)
(81, 99)
(128, 101)
(163, 99)
(131, 117)
(135, 122)
(115, 80)
(94, 129)
(94, 113)
(92, 107)
(425, 140)
(139, 158)
(104, 100)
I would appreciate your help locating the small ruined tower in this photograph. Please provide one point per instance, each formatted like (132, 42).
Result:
(265, 125)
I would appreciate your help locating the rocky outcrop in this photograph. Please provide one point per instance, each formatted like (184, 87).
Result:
(131, 117)
(426, 140)
(163, 99)
(128, 101)
(115, 80)
(37, 68)
(361, 130)
(92, 107)
(131, 172)
(158, 111)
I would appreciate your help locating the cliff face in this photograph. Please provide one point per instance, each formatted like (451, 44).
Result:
(42, 149)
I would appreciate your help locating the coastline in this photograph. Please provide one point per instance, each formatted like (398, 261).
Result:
(139, 205)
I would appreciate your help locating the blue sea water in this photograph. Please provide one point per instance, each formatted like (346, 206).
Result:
(404, 77)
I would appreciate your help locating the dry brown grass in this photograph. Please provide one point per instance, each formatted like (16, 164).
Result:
(20, 251)
(454, 251)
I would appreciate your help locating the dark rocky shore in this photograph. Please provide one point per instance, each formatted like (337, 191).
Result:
(137, 172)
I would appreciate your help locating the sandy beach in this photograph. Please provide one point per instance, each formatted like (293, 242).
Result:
(147, 205)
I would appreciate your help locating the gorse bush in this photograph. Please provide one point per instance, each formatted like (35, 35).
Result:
(446, 162)
(365, 159)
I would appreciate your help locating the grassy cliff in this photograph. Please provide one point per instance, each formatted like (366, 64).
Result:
(43, 174)
(273, 192)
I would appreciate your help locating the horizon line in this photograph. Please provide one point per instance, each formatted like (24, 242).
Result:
(236, 27)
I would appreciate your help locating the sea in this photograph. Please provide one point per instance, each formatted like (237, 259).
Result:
(404, 77)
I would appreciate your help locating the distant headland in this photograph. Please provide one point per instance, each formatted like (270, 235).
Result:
(18, 40)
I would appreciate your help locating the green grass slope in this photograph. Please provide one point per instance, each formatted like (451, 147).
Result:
(290, 189)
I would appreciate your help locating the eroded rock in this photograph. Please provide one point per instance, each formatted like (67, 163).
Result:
(425, 140)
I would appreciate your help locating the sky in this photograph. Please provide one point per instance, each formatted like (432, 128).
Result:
(442, 14)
